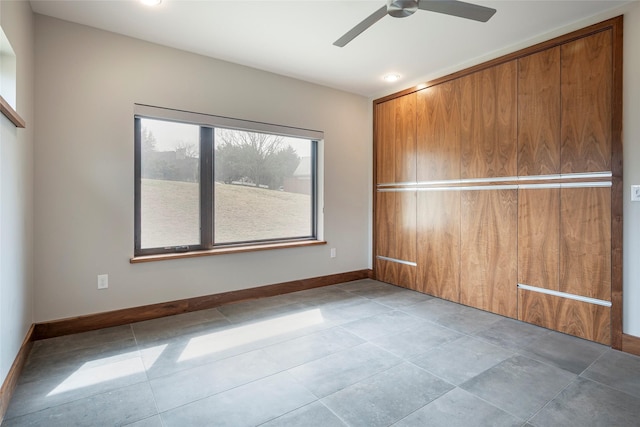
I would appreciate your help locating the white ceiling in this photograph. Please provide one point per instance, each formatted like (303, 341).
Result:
(295, 37)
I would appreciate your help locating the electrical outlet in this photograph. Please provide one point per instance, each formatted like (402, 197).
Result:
(103, 281)
(333, 252)
(635, 193)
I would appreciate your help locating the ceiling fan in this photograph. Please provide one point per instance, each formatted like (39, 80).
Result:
(404, 8)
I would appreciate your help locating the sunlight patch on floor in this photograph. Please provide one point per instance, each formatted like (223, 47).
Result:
(234, 337)
(107, 369)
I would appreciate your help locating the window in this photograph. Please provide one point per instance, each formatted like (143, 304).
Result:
(7, 71)
(8, 82)
(204, 182)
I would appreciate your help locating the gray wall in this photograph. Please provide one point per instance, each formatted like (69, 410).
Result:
(16, 192)
(87, 81)
(631, 164)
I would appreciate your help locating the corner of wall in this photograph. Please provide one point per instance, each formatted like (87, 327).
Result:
(16, 191)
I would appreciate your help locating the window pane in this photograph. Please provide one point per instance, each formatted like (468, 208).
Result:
(263, 187)
(170, 189)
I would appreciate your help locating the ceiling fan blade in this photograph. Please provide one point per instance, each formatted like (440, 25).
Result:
(458, 8)
(358, 29)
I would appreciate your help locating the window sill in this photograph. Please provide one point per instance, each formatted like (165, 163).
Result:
(11, 114)
(226, 250)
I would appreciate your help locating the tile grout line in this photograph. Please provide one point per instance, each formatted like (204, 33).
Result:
(601, 383)
(573, 381)
(146, 374)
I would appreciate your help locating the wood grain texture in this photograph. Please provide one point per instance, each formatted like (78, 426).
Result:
(90, 322)
(489, 122)
(539, 113)
(585, 242)
(439, 244)
(396, 140)
(538, 237)
(617, 190)
(11, 380)
(406, 225)
(438, 132)
(395, 215)
(488, 244)
(396, 273)
(385, 225)
(385, 142)
(386, 271)
(396, 238)
(581, 319)
(630, 344)
(616, 262)
(586, 83)
(580, 123)
(405, 138)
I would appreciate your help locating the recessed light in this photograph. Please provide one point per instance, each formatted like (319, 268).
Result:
(393, 77)
(151, 2)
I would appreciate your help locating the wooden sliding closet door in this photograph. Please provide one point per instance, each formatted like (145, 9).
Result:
(539, 113)
(438, 135)
(488, 122)
(573, 256)
(539, 154)
(586, 104)
(499, 186)
(488, 230)
(395, 247)
(488, 270)
(539, 237)
(564, 245)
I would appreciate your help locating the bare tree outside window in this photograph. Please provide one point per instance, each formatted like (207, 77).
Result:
(252, 162)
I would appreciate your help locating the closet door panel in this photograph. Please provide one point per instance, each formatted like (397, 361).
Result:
(385, 142)
(488, 240)
(387, 271)
(539, 113)
(396, 140)
(475, 118)
(438, 132)
(396, 237)
(386, 236)
(581, 319)
(395, 132)
(585, 245)
(538, 237)
(406, 225)
(405, 231)
(586, 82)
(439, 244)
(506, 161)
(396, 273)
(489, 127)
(405, 138)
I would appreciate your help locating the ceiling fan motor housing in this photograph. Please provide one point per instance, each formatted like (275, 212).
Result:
(401, 8)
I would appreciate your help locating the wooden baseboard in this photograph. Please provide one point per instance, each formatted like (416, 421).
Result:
(125, 316)
(631, 344)
(10, 382)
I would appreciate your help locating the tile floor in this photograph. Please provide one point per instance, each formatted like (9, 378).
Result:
(356, 354)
